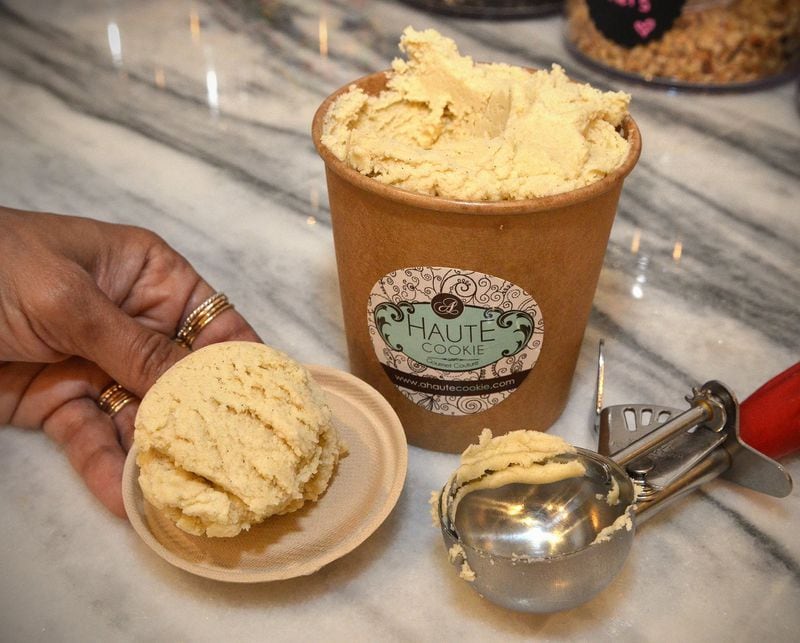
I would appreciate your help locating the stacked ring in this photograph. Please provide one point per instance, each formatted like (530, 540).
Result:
(113, 398)
(201, 317)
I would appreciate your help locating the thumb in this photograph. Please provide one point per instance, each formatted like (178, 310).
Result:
(133, 354)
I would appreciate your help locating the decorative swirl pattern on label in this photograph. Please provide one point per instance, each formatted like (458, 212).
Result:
(456, 342)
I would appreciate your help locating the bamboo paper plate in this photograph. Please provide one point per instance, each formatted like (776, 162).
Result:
(363, 491)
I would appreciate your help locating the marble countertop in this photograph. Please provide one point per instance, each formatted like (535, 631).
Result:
(192, 118)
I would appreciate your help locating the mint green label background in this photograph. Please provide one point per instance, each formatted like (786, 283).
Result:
(476, 338)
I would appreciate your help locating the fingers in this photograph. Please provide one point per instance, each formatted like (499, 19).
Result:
(31, 393)
(42, 390)
(136, 354)
(62, 399)
(167, 289)
(227, 326)
(89, 439)
(119, 306)
(132, 354)
(15, 379)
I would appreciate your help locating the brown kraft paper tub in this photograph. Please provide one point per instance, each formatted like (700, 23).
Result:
(466, 315)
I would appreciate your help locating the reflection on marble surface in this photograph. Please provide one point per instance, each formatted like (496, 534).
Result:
(192, 118)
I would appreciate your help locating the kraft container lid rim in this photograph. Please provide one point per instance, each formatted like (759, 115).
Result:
(485, 208)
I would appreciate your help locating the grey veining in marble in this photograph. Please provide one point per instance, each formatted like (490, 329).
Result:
(192, 118)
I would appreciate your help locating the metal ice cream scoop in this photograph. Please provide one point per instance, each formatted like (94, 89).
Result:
(551, 547)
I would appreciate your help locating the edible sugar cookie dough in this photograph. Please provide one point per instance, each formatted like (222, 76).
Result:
(447, 126)
(232, 434)
(519, 456)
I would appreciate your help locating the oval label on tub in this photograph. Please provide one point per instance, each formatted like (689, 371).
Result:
(456, 342)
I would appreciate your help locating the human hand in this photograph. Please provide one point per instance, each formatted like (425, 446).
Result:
(83, 303)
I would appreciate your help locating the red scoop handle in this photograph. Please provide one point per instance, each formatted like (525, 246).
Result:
(769, 420)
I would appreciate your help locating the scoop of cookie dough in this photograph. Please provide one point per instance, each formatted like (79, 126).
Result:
(232, 434)
(524, 456)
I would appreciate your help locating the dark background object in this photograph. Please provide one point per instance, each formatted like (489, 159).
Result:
(636, 24)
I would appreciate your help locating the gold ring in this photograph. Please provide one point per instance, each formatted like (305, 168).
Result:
(201, 317)
(113, 398)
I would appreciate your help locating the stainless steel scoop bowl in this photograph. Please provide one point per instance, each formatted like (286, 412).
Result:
(539, 548)
(530, 546)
